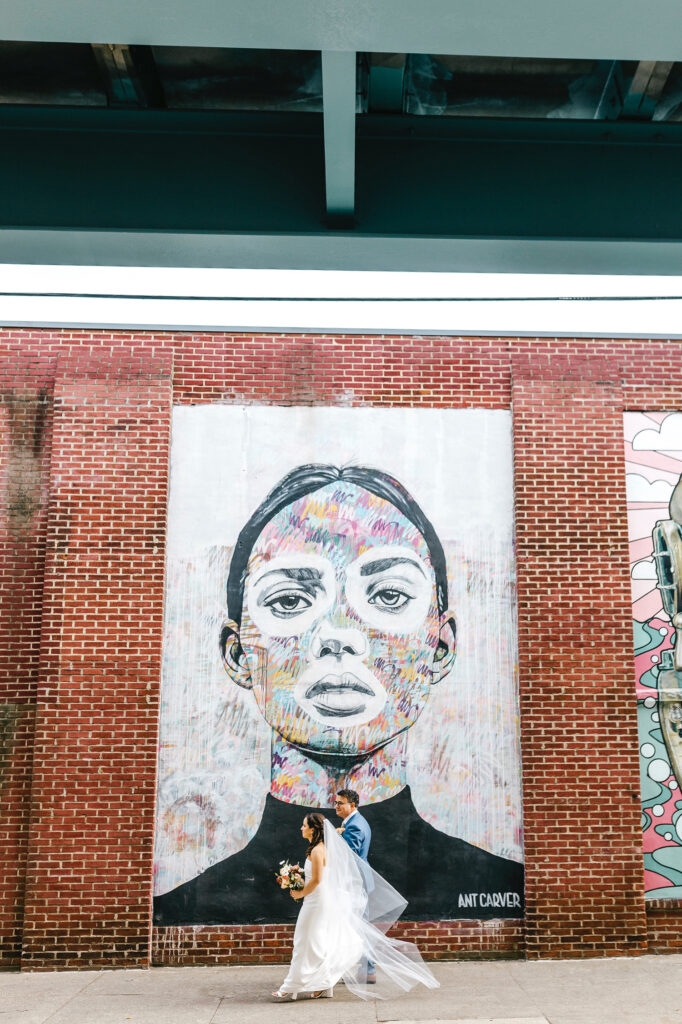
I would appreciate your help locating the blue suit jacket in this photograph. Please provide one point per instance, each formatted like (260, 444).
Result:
(357, 834)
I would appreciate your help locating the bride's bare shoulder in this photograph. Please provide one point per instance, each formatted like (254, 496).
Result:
(319, 852)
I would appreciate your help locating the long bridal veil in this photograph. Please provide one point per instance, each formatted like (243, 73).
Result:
(364, 906)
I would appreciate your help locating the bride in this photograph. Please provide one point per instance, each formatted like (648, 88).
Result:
(347, 909)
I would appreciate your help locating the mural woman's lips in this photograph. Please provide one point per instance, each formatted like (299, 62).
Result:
(339, 696)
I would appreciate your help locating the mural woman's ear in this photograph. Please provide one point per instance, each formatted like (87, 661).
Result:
(446, 651)
(233, 655)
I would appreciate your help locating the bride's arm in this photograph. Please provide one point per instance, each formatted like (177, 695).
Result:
(317, 866)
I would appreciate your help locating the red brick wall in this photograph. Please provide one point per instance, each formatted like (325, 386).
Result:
(87, 889)
(664, 926)
(272, 943)
(84, 650)
(579, 735)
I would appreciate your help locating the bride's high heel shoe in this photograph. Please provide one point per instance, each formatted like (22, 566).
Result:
(283, 997)
(325, 993)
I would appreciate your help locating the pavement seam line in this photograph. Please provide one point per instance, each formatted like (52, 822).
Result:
(220, 1002)
(71, 998)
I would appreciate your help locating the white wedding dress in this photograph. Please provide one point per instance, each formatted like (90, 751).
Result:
(342, 924)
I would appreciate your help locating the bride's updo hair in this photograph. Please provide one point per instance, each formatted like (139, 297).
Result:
(314, 821)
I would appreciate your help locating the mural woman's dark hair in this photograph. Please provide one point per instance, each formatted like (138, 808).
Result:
(305, 480)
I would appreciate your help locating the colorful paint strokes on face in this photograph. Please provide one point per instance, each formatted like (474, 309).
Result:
(340, 622)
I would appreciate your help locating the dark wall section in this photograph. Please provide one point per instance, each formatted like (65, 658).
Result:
(25, 441)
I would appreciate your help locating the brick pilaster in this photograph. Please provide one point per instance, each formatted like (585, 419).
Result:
(583, 844)
(92, 805)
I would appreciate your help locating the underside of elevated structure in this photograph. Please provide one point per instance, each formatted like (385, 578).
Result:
(444, 136)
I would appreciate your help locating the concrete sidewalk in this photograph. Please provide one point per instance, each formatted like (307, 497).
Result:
(645, 990)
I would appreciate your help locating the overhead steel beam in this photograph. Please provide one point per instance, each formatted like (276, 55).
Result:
(338, 98)
(337, 251)
(129, 75)
(593, 29)
(82, 186)
(646, 88)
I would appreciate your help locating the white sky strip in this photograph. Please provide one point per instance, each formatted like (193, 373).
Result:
(338, 301)
(313, 284)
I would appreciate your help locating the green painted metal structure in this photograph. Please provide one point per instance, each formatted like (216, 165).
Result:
(380, 190)
(235, 189)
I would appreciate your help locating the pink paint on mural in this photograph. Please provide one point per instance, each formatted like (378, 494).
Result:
(653, 454)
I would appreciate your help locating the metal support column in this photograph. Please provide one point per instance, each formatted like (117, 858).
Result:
(338, 91)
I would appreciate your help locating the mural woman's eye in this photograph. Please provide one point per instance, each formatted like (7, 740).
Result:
(389, 599)
(286, 605)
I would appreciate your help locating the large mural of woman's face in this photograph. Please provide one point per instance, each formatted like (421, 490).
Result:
(340, 612)
(340, 633)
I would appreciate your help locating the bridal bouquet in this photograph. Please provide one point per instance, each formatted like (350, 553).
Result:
(290, 876)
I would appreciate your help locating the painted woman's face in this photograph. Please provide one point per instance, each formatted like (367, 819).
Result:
(339, 622)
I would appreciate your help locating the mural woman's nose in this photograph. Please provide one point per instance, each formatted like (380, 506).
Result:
(334, 641)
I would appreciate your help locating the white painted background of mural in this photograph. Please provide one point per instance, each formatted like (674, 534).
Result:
(214, 760)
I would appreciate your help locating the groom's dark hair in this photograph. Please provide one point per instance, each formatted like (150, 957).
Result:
(350, 795)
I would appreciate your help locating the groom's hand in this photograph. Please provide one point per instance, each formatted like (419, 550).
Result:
(340, 831)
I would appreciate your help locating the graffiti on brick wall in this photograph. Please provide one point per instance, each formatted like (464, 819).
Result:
(653, 451)
(340, 612)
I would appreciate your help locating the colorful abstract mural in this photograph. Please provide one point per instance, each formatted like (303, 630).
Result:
(340, 611)
(653, 452)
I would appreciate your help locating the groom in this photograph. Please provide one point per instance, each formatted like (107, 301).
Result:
(357, 833)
